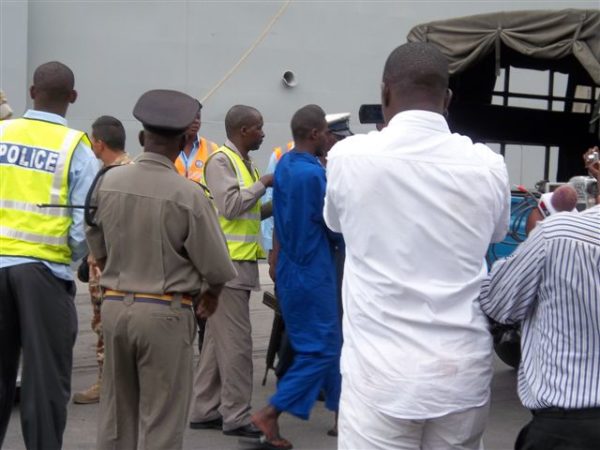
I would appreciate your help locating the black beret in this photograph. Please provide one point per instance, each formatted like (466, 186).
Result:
(166, 111)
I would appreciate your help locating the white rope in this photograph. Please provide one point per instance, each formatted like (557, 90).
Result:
(255, 44)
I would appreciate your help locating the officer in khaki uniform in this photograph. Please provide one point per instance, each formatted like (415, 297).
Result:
(6, 111)
(108, 144)
(156, 239)
(223, 381)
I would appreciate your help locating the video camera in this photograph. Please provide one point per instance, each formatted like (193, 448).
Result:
(370, 114)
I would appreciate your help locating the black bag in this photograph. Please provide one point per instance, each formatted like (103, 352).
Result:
(83, 271)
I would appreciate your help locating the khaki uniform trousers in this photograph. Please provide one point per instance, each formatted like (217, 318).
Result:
(146, 384)
(223, 379)
(96, 298)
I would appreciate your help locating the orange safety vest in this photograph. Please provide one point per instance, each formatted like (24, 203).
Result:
(196, 167)
(279, 152)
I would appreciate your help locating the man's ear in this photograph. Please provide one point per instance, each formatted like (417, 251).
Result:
(73, 96)
(141, 137)
(32, 92)
(386, 95)
(447, 101)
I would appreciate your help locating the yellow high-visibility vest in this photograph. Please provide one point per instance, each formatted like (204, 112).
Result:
(35, 157)
(243, 232)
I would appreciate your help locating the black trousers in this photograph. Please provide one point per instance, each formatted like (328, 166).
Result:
(559, 429)
(37, 315)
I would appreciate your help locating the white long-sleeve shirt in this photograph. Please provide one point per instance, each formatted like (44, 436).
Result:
(418, 207)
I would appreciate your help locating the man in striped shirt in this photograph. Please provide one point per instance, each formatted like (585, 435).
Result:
(552, 285)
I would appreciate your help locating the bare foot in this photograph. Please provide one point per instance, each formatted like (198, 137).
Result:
(266, 421)
(334, 430)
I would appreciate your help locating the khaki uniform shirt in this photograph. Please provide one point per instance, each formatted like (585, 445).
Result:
(158, 231)
(231, 201)
(94, 270)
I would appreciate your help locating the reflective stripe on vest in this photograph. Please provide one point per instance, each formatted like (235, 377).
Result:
(35, 157)
(40, 238)
(195, 171)
(241, 238)
(242, 233)
(24, 206)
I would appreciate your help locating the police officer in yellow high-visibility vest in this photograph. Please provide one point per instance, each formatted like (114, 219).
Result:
(42, 161)
(223, 380)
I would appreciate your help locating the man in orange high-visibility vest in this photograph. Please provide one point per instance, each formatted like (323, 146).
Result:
(190, 164)
(194, 154)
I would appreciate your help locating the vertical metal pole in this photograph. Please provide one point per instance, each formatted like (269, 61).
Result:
(506, 84)
(550, 105)
(505, 102)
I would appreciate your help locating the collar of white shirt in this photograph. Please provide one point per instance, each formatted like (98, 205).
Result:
(420, 119)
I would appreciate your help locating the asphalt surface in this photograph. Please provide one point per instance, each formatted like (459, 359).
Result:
(507, 416)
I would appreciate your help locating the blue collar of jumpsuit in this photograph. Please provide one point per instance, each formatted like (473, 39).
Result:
(305, 155)
(187, 160)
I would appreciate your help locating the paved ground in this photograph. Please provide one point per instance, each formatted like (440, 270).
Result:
(506, 416)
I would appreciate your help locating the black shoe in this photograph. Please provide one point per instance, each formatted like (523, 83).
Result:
(215, 424)
(246, 431)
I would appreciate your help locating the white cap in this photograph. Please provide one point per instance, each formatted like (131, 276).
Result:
(339, 123)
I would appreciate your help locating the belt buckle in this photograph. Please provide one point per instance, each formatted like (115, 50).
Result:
(128, 298)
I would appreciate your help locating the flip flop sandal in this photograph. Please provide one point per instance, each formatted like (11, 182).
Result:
(284, 444)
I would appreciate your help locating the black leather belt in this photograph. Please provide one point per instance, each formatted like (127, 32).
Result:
(562, 413)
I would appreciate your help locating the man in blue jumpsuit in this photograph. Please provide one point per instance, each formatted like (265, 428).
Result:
(306, 279)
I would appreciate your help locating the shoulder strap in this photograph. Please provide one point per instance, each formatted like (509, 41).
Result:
(88, 208)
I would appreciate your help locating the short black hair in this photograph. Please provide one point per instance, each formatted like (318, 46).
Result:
(54, 79)
(417, 66)
(240, 116)
(307, 119)
(109, 130)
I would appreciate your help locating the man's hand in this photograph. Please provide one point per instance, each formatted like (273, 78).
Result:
(99, 263)
(272, 272)
(266, 210)
(267, 180)
(208, 302)
(273, 255)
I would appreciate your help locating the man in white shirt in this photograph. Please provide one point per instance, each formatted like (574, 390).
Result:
(418, 207)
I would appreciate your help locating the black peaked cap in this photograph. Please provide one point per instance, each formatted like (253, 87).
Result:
(166, 111)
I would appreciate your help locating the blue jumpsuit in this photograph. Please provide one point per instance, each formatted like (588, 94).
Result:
(306, 286)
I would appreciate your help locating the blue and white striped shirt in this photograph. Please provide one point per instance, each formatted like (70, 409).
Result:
(552, 285)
